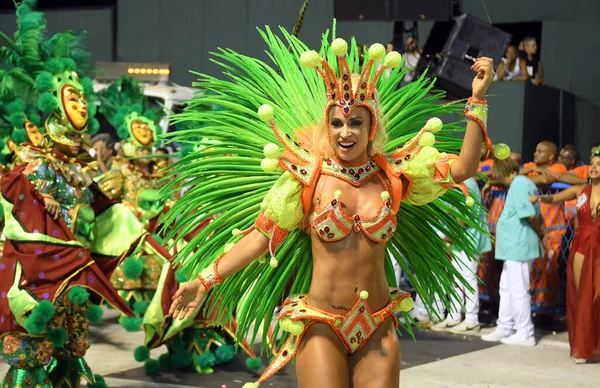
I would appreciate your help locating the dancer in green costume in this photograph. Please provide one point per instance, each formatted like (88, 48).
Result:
(344, 148)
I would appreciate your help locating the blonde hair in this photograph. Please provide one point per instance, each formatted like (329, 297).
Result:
(320, 138)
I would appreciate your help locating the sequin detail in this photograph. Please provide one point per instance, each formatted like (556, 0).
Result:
(355, 175)
(354, 329)
(332, 224)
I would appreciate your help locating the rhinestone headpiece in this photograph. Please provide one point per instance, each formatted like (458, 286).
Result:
(340, 91)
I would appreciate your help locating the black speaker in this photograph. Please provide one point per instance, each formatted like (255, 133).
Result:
(452, 47)
(391, 10)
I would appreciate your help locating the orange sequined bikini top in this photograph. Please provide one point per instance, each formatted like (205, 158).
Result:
(332, 224)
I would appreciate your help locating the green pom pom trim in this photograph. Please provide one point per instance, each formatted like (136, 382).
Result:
(225, 353)
(253, 364)
(69, 64)
(151, 367)
(205, 360)
(95, 313)
(19, 136)
(44, 82)
(55, 65)
(132, 324)
(165, 361)
(78, 295)
(57, 337)
(182, 359)
(133, 267)
(34, 327)
(123, 132)
(39, 317)
(140, 307)
(37, 120)
(141, 353)
(17, 119)
(47, 102)
(46, 309)
(99, 382)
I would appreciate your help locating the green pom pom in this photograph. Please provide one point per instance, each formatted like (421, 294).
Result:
(99, 382)
(95, 313)
(47, 102)
(253, 363)
(44, 311)
(133, 267)
(57, 337)
(123, 132)
(69, 64)
(140, 307)
(182, 360)
(78, 295)
(17, 119)
(44, 82)
(39, 317)
(177, 346)
(141, 353)
(16, 106)
(180, 277)
(205, 360)
(33, 327)
(151, 367)
(55, 65)
(132, 324)
(36, 119)
(19, 136)
(225, 353)
(165, 361)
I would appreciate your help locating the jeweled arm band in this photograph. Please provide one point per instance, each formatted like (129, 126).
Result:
(209, 277)
(477, 110)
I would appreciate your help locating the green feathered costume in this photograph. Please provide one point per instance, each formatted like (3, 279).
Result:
(47, 273)
(231, 179)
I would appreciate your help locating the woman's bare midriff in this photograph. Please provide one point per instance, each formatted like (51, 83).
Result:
(343, 269)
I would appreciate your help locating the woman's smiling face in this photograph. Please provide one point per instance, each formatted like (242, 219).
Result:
(350, 135)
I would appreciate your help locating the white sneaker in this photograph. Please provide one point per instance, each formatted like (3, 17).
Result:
(495, 336)
(518, 339)
(465, 327)
(446, 324)
(580, 361)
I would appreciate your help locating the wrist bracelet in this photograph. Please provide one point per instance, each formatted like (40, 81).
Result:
(209, 277)
(477, 110)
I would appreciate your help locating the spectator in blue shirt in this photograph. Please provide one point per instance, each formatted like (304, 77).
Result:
(518, 244)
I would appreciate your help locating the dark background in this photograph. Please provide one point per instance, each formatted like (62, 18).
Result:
(181, 32)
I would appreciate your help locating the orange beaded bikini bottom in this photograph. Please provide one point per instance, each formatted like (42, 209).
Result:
(354, 329)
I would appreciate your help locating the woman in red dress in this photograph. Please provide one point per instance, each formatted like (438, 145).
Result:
(583, 269)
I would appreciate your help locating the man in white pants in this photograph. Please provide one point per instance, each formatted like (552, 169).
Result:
(518, 235)
(467, 267)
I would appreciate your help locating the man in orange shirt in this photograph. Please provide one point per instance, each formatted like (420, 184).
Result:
(545, 276)
(579, 175)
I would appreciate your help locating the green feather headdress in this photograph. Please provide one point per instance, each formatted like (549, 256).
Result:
(127, 109)
(229, 184)
(46, 72)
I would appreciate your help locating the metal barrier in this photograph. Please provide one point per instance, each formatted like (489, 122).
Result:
(548, 274)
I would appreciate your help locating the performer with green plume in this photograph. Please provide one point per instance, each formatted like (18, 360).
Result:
(344, 149)
(48, 278)
(134, 184)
